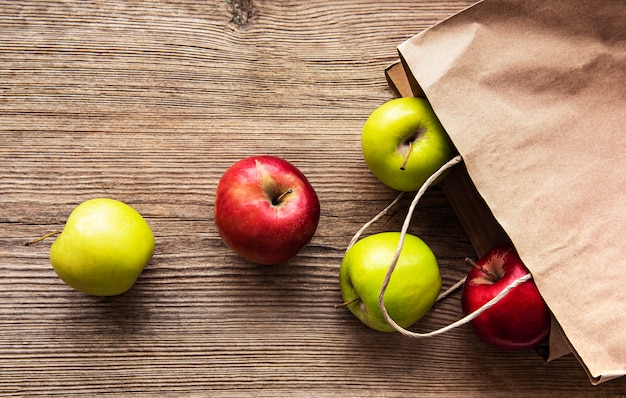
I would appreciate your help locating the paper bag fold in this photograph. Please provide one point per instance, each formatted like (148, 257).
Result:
(533, 95)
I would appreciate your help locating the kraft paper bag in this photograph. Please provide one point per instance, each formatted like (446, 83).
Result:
(533, 95)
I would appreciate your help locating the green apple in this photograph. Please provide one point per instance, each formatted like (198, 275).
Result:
(413, 287)
(404, 143)
(103, 247)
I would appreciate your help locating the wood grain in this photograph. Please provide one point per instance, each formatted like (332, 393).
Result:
(150, 102)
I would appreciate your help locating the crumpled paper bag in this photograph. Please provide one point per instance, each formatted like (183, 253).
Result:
(533, 95)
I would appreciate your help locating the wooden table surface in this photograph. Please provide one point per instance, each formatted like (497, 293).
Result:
(150, 102)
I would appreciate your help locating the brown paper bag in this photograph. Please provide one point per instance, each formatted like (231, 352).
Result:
(533, 94)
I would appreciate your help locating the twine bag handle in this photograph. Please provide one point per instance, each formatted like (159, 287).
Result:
(381, 301)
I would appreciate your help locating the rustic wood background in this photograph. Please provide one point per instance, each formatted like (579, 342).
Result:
(150, 102)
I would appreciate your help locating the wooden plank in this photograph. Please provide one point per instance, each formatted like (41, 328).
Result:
(149, 103)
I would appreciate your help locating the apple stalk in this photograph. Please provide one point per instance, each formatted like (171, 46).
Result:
(347, 303)
(48, 235)
(489, 275)
(279, 199)
(406, 158)
(408, 142)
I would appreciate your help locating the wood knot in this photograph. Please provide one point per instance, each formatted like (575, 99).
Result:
(241, 11)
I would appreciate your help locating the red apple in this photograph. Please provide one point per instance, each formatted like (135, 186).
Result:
(265, 209)
(520, 319)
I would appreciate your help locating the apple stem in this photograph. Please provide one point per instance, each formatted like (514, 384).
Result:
(280, 197)
(347, 303)
(42, 238)
(406, 158)
(484, 271)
